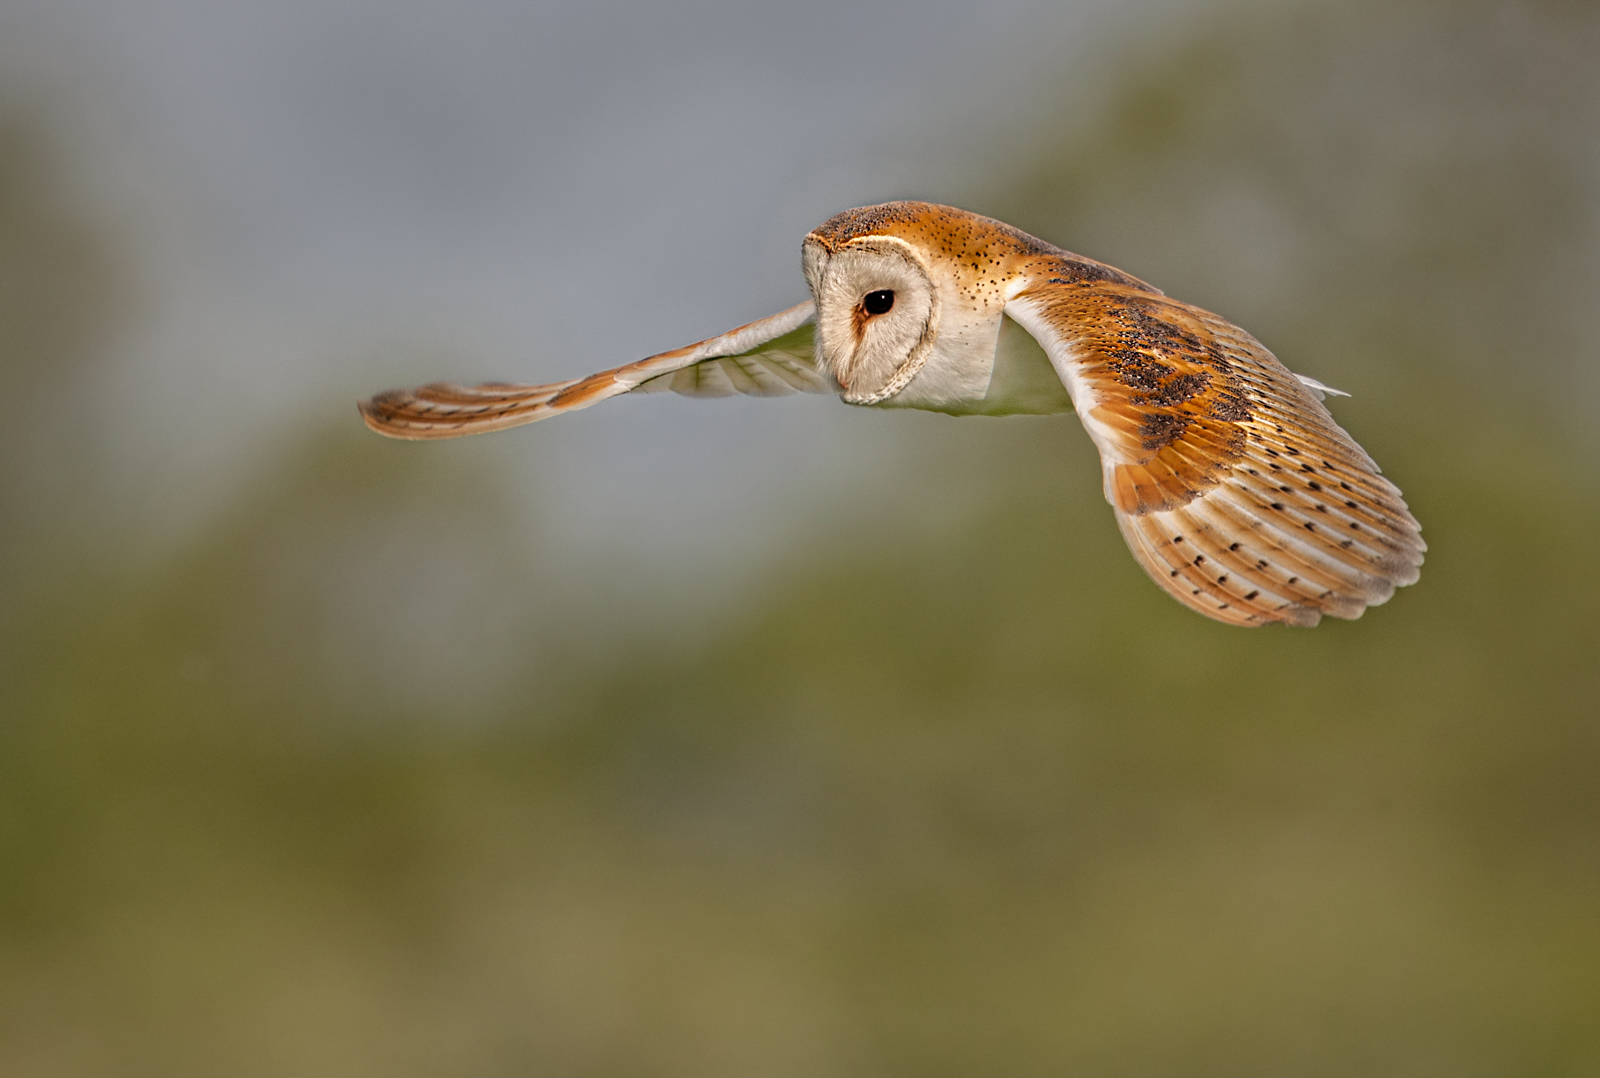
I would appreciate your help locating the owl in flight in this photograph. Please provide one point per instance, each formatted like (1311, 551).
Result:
(1232, 484)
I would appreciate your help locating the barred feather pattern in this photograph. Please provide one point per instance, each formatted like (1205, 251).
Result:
(769, 357)
(1233, 486)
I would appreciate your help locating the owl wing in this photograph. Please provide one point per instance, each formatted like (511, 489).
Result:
(768, 358)
(1232, 484)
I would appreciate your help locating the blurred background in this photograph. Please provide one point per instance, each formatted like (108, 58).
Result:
(774, 737)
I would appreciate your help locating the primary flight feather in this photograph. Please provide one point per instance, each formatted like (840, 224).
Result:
(1234, 487)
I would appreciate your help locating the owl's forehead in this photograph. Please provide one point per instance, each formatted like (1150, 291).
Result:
(939, 231)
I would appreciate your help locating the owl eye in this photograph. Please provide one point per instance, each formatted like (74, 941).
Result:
(878, 302)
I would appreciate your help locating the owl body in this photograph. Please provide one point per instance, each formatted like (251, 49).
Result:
(1234, 487)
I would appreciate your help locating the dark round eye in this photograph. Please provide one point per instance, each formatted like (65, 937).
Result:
(878, 302)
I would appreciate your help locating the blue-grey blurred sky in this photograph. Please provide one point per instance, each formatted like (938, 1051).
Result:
(320, 200)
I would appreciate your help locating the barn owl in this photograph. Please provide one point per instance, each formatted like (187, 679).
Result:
(1233, 486)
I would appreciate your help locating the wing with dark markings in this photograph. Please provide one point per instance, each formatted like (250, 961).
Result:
(1234, 487)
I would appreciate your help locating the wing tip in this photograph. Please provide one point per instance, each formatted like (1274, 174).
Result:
(392, 414)
(378, 413)
(1207, 560)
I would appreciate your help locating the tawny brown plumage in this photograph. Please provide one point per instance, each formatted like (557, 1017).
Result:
(1234, 487)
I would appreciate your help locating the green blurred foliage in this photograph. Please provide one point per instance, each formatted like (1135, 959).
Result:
(957, 791)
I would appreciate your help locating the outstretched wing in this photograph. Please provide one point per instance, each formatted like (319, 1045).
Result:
(769, 358)
(1232, 484)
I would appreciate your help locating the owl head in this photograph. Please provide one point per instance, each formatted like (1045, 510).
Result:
(904, 289)
(877, 312)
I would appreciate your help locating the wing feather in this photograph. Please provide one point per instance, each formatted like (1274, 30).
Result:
(768, 358)
(1233, 486)
(774, 370)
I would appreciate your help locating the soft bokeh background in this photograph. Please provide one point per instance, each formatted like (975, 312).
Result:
(774, 737)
